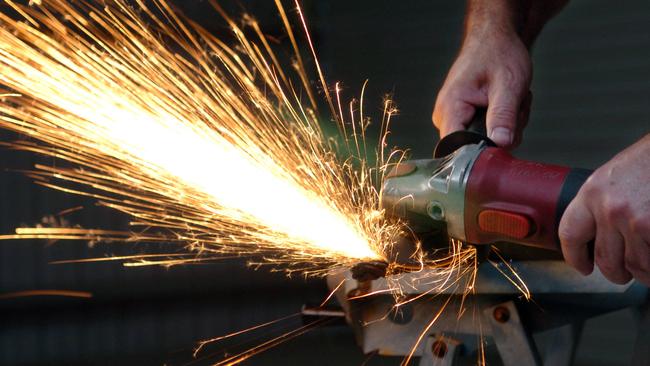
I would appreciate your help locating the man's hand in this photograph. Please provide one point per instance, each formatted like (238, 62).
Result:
(613, 206)
(492, 70)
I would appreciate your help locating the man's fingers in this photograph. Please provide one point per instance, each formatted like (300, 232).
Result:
(637, 257)
(451, 114)
(610, 255)
(456, 104)
(577, 229)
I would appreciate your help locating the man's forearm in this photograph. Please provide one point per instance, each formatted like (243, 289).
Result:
(525, 18)
(538, 13)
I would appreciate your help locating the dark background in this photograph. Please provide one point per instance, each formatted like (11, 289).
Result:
(591, 94)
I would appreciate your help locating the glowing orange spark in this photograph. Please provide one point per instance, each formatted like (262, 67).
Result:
(165, 122)
(210, 145)
(47, 292)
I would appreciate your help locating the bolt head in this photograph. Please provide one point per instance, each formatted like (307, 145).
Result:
(439, 348)
(501, 314)
(354, 293)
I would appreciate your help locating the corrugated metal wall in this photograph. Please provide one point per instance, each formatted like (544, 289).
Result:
(591, 92)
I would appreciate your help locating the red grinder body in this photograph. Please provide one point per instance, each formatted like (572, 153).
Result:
(482, 195)
(507, 199)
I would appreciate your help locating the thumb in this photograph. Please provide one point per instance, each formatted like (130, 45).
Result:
(502, 116)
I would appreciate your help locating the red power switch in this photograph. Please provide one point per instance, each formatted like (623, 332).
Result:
(506, 223)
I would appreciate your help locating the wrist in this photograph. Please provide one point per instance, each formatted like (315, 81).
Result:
(493, 19)
(523, 19)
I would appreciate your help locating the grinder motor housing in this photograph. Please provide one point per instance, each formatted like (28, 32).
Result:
(483, 195)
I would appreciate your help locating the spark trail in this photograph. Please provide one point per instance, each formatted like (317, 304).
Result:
(204, 144)
(189, 136)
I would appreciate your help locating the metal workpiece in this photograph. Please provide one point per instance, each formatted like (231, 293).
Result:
(432, 188)
(517, 346)
(541, 277)
(562, 301)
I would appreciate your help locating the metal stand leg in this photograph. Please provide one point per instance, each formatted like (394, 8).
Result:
(516, 346)
(641, 356)
(561, 344)
(440, 351)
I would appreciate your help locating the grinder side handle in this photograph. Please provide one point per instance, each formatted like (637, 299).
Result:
(478, 122)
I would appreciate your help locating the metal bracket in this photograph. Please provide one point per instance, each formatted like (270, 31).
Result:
(440, 351)
(560, 344)
(515, 344)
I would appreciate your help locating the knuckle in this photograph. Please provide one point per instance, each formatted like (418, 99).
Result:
(567, 230)
(568, 237)
(592, 186)
(456, 93)
(503, 114)
(616, 209)
(509, 76)
(515, 76)
(640, 224)
(589, 187)
(610, 206)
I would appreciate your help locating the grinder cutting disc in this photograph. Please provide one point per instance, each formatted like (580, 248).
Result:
(475, 133)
